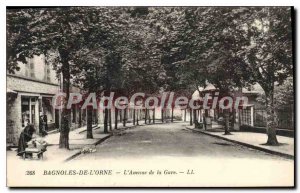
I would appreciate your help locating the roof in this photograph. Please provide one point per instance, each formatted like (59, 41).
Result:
(252, 92)
(196, 95)
(210, 87)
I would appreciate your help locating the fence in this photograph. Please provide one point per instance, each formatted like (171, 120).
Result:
(245, 115)
(285, 119)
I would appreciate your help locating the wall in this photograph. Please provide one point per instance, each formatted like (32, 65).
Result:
(39, 70)
(13, 118)
(22, 84)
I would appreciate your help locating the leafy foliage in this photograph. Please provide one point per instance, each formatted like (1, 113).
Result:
(154, 49)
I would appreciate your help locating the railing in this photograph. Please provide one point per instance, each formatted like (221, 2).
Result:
(285, 119)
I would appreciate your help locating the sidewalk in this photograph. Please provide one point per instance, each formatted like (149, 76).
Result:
(77, 141)
(253, 140)
(77, 138)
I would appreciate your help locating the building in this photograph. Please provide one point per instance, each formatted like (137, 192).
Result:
(29, 96)
(244, 115)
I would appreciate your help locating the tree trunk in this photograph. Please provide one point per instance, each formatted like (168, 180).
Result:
(96, 117)
(172, 116)
(271, 119)
(184, 115)
(109, 120)
(215, 115)
(105, 120)
(153, 116)
(239, 119)
(233, 118)
(133, 121)
(64, 131)
(89, 126)
(200, 115)
(191, 117)
(195, 116)
(121, 120)
(204, 121)
(146, 115)
(149, 117)
(227, 132)
(124, 117)
(204, 118)
(162, 115)
(65, 116)
(79, 118)
(116, 118)
(137, 116)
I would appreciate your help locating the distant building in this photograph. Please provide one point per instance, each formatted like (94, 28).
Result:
(245, 113)
(253, 113)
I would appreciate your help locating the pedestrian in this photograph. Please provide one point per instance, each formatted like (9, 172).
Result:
(46, 123)
(25, 137)
(43, 126)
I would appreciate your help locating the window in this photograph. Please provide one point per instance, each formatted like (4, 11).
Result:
(25, 111)
(47, 72)
(29, 68)
(31, 65)
(28, 112)
(48, 109)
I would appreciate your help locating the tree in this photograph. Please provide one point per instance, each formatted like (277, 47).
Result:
(63, 31)
(195, 52)
(133, 49)
(101, 63)
(251, 45)
(45, 30)
(219, 53)
(284, 95)
(269, 57)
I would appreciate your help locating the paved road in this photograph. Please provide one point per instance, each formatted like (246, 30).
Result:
(169, 147)
(171, 140)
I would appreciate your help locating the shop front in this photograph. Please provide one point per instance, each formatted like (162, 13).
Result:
(29, 108)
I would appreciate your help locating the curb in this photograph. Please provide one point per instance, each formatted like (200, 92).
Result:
(93, 128)
(288, 156)
(101, 140)
(79, 152)
(72, 156)
(95, 144)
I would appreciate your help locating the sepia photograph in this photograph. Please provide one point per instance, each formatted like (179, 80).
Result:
(150, 96)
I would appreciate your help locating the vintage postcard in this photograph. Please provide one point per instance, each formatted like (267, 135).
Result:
(173, 96)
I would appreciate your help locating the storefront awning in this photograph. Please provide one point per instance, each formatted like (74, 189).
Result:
(10, 91)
